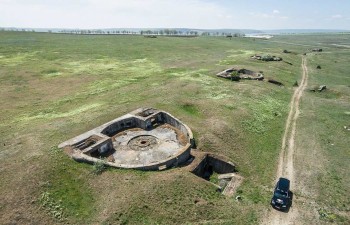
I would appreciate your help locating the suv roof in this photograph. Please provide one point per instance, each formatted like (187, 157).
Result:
(283, 185)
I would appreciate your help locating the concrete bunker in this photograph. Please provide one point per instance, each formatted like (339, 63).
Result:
(151, 139)
(317, 50)
(238, 74)
(206, 165)
(145, 139)
(266, 58)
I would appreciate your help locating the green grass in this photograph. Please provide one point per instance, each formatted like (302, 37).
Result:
(67, 189)
(322, 169)
(56, 86)
(190, 109)
(263, 111)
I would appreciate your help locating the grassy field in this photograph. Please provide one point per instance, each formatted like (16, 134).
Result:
(324, 142)
(54, 87)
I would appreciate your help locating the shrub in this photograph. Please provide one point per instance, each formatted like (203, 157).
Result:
(51, 206)
(235, 76)
(98, 167)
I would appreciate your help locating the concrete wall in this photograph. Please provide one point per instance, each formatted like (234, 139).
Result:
(176, 123)
(220, 165)
(117, 126)
(179, 159)
(200, 168)
(245, 71)
(101, 146)
(176, 160)
(217, 163)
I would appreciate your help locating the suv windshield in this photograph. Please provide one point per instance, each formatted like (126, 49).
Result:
(279, 194)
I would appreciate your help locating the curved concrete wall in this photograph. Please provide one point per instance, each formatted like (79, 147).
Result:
(133, 120)
(161, 117)
(117, 126)
(180, 158)
(179, 125)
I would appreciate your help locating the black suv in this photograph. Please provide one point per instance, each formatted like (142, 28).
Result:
(281, 196)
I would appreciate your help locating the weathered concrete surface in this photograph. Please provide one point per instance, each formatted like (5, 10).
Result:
(232, 185)
(145, 147)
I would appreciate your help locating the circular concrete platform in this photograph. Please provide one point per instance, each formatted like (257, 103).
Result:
(137, 146)
(143, 143)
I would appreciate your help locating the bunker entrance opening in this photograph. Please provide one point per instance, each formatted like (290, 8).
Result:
(216, 170)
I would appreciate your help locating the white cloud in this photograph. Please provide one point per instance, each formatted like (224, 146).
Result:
(276, 11)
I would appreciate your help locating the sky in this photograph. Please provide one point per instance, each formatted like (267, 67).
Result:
(201, 14)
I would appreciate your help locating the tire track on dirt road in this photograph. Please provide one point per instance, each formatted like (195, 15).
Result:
(285, 163)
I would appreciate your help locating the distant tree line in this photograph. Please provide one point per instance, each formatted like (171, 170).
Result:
(226, 34)
(169, 32)
(166, 32)
(17, 29)
(98, 31)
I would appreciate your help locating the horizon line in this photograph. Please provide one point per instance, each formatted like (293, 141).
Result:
(105, 28)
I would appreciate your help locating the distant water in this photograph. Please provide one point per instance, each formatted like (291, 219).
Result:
(302, 31)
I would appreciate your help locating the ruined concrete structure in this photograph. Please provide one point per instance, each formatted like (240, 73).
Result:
(150, 139)
(145, 139)
(317, 50)
(318, 88)
(237, 74)
(206, 164)
(266, 58)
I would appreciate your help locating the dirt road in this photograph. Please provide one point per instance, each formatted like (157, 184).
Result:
(285, 164)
